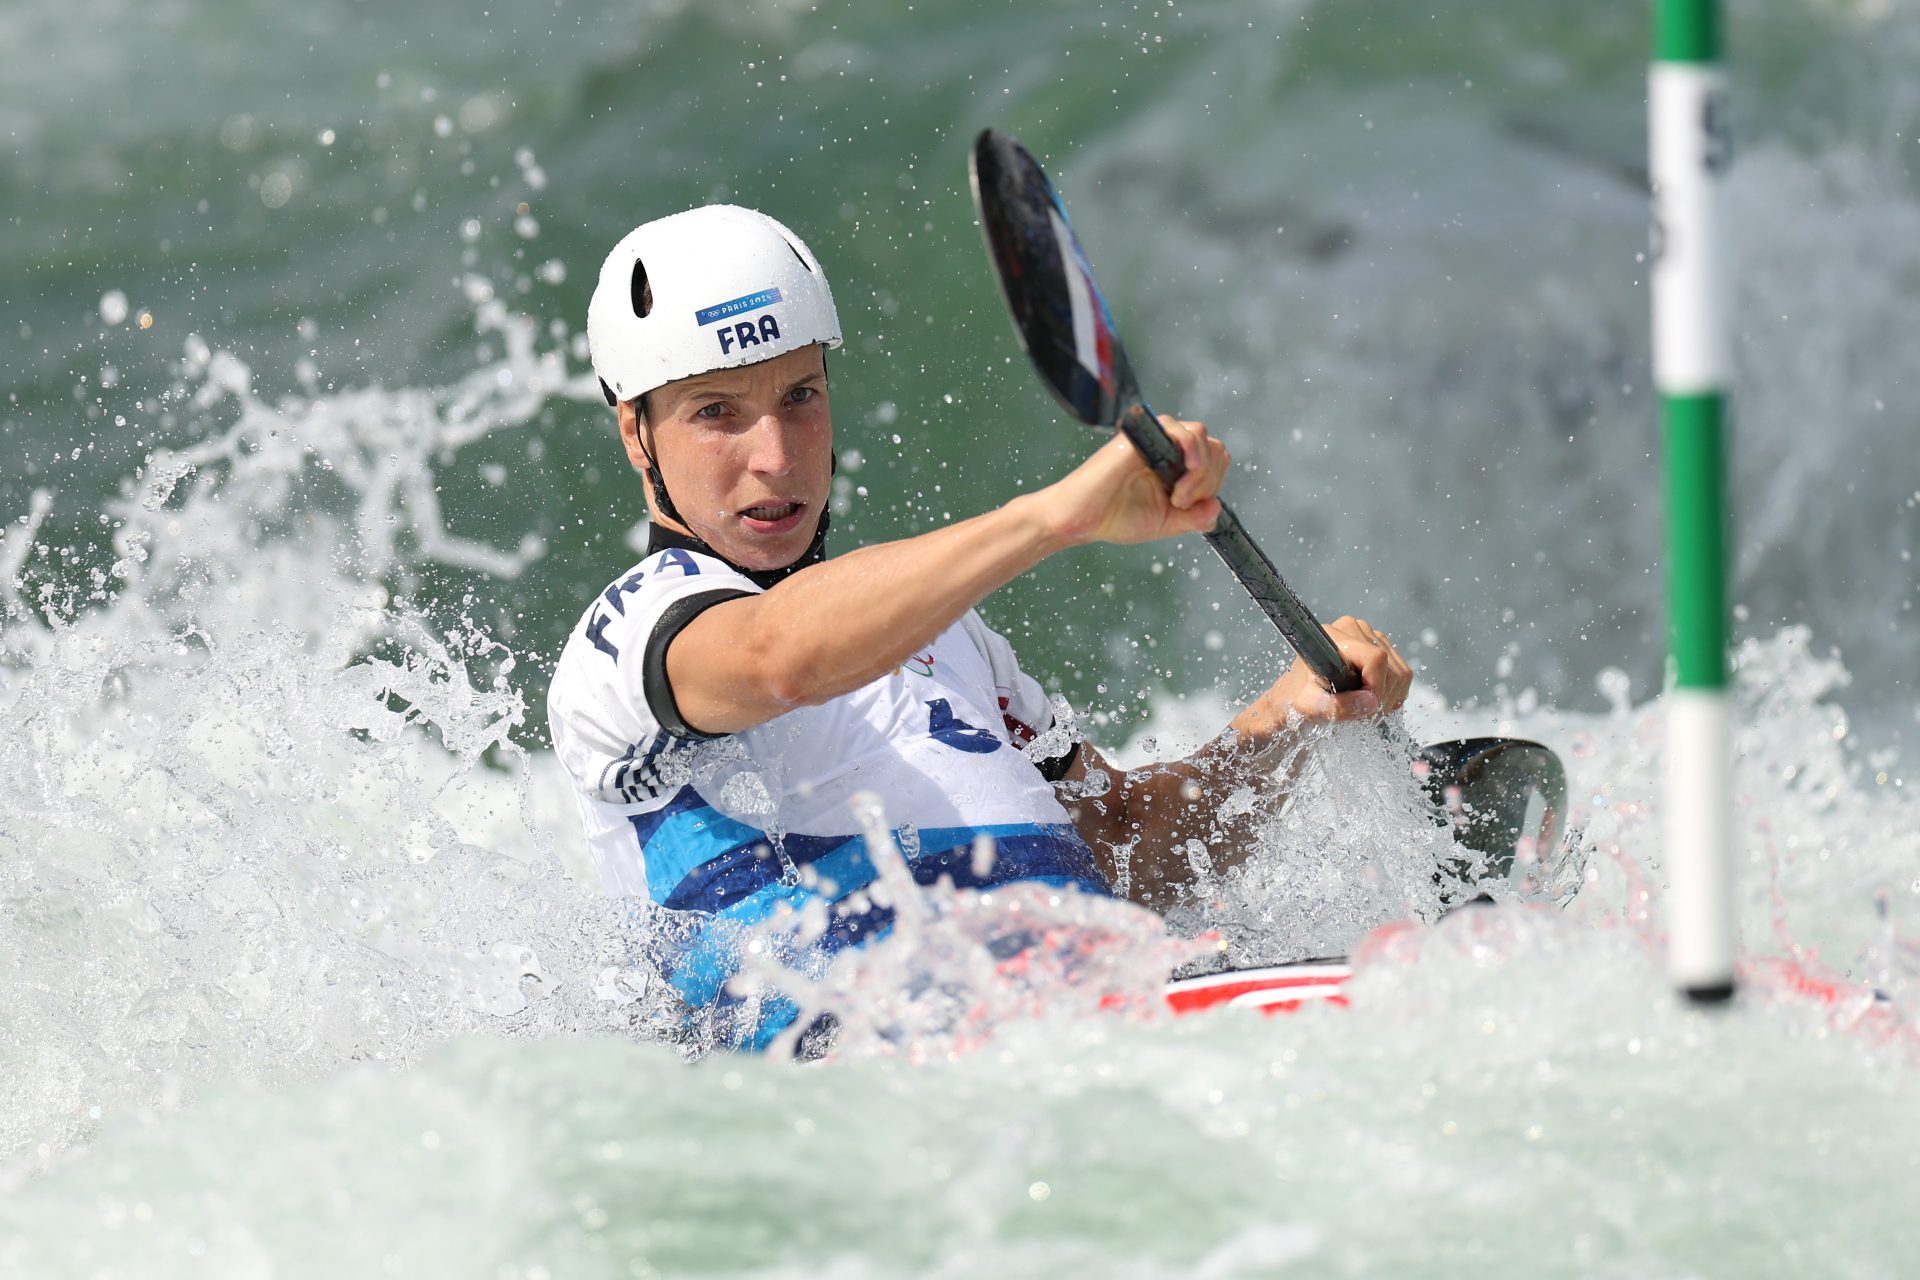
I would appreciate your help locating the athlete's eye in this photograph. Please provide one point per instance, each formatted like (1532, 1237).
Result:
(711, 412)
(800, 395)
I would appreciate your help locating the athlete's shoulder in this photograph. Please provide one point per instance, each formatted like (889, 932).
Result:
(624, 613)
(662, 569)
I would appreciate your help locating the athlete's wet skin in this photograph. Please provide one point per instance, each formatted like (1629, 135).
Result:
(719, 704)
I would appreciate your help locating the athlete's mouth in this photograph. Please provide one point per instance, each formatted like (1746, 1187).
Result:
(773, 513)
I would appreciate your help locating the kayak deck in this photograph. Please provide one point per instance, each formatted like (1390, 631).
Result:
(1271, 989)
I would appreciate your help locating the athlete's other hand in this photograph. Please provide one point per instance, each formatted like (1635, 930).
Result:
(1114, 496)
(1385, 675)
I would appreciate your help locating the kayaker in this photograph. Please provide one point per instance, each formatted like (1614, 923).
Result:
(719, 704)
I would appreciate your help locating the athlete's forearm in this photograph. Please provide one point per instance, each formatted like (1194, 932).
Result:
(835, 626)
(852, 619)
(1159, 827)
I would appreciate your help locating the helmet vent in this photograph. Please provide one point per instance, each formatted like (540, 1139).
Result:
(801, 256)
(642, 290)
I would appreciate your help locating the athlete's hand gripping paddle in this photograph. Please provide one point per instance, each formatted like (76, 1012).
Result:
(1066, 328)
(1503, 796)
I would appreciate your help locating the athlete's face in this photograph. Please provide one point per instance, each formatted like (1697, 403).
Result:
(747, 455)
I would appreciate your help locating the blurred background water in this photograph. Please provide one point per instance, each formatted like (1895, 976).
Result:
(1395, 255)
(306, 484)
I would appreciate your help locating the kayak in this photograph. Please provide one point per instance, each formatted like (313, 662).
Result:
(1280, 988)
(1842, 1004)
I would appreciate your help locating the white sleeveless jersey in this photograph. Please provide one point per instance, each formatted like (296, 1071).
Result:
(732, 827)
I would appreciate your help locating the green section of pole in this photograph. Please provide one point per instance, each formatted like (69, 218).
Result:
(1696, 539)
(1688, 100)
(1686, 31)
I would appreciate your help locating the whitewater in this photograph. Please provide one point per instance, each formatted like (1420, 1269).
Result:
(301, 969)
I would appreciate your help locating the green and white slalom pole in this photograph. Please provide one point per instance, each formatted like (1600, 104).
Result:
(1690, 154)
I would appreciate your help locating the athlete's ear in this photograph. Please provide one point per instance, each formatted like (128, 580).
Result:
(629, 413)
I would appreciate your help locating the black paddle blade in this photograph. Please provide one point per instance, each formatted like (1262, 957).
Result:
(1064, 324)
(1506, 799)
(1057, 309)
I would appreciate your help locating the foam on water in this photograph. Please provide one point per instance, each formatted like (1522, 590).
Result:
(272, 858)
(1526, 1102)
(293, 976)
(958, 966)
(1359, 847)
(263, 821)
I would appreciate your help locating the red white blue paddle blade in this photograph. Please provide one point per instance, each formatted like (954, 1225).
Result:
(1062, 320)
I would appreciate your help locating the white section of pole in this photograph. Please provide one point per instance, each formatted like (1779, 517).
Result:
(1700, 909)
(1689, 152)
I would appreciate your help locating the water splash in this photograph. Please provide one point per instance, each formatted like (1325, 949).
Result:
(1514, 1102)
(958, 968)
(1349, 843)
(244, 851)
(264, 821)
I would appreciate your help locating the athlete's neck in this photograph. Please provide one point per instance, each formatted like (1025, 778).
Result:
(660, 538)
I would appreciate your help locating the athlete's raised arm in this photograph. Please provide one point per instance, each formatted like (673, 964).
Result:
(751, 447)
(709, 331)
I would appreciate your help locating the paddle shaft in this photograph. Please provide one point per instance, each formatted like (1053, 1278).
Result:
(1245, 558)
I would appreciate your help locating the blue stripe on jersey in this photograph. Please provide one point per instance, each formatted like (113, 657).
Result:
(712, 957)
(700, 861)
(1028, 851)
(739, 861)
(1023, 853)
(736, 875)
(684, 834)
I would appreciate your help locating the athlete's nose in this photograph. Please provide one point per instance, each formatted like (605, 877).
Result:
(770, 452)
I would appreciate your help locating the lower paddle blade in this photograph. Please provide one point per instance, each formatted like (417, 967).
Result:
(1057, 309)
(1506, 800)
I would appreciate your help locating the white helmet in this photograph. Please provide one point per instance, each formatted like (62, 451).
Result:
(730, 287)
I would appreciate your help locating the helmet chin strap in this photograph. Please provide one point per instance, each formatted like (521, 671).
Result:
(661, 498)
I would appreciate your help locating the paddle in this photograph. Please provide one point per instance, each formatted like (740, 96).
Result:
(1497, 793)
(1506, 799)
(1064, 324)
